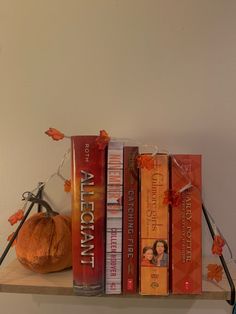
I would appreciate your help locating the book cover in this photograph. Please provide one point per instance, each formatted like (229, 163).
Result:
(186, 276)
(130, 221)
(114, 207)
(88, 215)
(154, 235)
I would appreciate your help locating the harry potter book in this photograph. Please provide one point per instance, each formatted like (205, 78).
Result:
(186, 276)
(88, 215)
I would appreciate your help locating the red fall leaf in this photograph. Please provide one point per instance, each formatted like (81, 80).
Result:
(217, 246)
(10, 237)
(55, 134)
(67, 186)
(215, 272)
(102, 140)
(145, 161)
(13, 219)
(172, 198)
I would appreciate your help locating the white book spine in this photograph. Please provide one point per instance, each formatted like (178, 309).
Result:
(114, 208)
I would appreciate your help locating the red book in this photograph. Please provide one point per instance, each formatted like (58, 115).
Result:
(186, 224)
(88, 215)
(130, 221)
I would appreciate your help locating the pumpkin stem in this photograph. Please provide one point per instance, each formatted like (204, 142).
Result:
(31, 198)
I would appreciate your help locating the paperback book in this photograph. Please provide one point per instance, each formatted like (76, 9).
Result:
(114, 214)
(154, 227)
(186, 275)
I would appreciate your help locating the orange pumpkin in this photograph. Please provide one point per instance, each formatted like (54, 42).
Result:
(44, 242)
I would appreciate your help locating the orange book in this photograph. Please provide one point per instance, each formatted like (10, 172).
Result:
(154, 226)
(186, 241)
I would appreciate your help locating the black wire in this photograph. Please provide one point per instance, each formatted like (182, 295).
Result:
(18, 228)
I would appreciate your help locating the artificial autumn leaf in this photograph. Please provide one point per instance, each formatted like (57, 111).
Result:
(145, 161)
(55, 134)
(102, 140)
(16, 217)
(67, 185)
(215, 272)
(172, 198)
(10, 237)
(217, 246)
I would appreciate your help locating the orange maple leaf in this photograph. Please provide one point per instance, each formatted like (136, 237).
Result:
(10, 237)
(217, 246)
(215, 272)
(102, 140)
(172, 198)
(145, 161)
(67, 186)
(55, 134)
(13, 219)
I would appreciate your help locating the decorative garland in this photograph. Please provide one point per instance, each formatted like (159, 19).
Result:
(171, 197)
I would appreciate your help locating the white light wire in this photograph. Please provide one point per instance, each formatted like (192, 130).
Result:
(57, 173)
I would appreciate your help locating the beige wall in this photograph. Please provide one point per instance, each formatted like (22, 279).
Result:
(161, 71)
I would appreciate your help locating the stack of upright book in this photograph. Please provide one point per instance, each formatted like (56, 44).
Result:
(135, 228)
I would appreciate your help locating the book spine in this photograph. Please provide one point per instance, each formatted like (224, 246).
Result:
(154, 226)
(186, 225)
(114, 208)
(130, 221)
(88, 215)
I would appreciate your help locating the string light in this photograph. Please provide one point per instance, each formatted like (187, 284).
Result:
(57, 135)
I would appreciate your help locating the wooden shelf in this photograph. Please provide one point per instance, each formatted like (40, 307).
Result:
(14, 278)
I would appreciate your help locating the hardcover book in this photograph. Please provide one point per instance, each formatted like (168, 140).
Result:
(186, 276)
(114, 208)
(88, 215)
(154, 252)
(130, 221)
